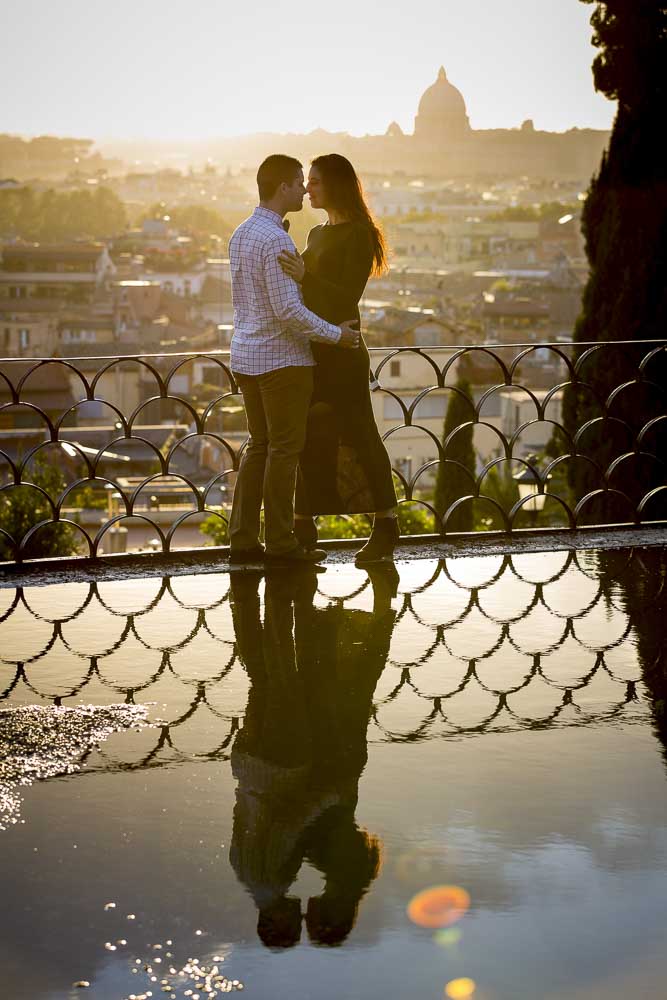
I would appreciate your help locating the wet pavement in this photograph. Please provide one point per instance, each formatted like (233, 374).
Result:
(42, 741)
(440, 779)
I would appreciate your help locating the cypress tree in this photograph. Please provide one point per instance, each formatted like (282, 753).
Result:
(625, 228)
(453, 482)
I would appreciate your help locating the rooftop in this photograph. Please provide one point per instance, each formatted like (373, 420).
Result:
(64, 250)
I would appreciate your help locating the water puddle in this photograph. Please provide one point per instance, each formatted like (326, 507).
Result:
(40, 741)
(435, 779)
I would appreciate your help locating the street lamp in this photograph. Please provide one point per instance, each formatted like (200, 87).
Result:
(528, 483)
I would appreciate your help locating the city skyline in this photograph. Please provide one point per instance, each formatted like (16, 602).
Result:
(164, 72)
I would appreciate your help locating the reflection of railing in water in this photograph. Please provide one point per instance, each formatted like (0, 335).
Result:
(536, 641)
(608, 497)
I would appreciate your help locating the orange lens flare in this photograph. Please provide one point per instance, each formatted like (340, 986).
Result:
(439, 906)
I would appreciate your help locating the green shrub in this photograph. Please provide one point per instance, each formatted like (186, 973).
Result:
(413, 520)
(216, 529)
(23, 507)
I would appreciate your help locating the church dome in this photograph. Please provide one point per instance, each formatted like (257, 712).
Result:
(442, 98)
(441, 117)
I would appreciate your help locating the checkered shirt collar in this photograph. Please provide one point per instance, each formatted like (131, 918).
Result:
(267, 213)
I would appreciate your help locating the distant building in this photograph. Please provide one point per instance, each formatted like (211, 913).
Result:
(465, 244)
(134, 302)
(558, 237)
(73, 272)
(509, 318)
(444, 143)
(29, 327)
(46, 387)
(393, 327)
(517, 409)
(88, 329)
(155, 236)
(187, 282)
(441, 117)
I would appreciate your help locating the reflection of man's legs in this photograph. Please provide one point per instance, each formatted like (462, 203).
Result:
(287, 737)
(271, 757)
(286, 396)
(245, 607)
(244, 522)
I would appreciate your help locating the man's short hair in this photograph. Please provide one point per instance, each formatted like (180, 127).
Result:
(276, 170)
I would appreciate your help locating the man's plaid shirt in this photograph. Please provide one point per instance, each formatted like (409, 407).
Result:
(272, 327)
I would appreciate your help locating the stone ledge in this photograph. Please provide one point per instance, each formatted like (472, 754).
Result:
(214, 559)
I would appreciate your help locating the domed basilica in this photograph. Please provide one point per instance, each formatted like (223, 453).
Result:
(442, 112)
(444, 144)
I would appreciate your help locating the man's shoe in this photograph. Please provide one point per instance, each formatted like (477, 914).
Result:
(297, 556)
(305, 530)
(380, 546)
(240, 557)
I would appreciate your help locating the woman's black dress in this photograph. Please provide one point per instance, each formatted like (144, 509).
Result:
(344, 467)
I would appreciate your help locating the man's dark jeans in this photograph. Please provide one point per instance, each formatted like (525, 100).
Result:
(276, 406)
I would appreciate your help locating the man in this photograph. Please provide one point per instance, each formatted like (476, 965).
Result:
(273, 365)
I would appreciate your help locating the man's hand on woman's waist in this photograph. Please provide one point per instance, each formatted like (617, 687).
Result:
(349, 334)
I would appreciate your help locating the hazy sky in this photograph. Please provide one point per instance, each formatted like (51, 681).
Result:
(177, 69)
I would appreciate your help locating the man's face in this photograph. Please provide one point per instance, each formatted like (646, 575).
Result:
(294, 193)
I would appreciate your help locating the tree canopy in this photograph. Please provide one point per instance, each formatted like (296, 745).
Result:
(625, 228)
(53, 216)
(45, 156)
(201, 221)
(456, 475)
(632, 38)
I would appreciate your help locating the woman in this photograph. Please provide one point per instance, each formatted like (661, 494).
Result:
(344, 467)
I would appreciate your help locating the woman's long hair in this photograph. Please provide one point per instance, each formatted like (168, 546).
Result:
(345, 194)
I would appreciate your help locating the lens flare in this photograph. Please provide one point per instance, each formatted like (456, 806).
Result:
(459, 989)
(439, 906)
(447, 937)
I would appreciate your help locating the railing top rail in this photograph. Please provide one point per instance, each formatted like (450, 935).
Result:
(218, 352)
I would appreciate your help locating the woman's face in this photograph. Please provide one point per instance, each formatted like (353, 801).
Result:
(315, 189)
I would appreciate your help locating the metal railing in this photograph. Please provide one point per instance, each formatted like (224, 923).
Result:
(563, 435)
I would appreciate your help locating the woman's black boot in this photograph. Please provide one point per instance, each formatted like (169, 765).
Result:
(305, 530)
(384, 539)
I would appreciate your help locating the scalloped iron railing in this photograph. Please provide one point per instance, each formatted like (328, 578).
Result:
(554, 435)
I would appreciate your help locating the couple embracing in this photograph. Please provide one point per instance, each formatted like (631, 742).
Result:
(303, 368)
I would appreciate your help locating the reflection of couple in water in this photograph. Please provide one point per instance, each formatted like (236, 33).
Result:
(300, 753)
